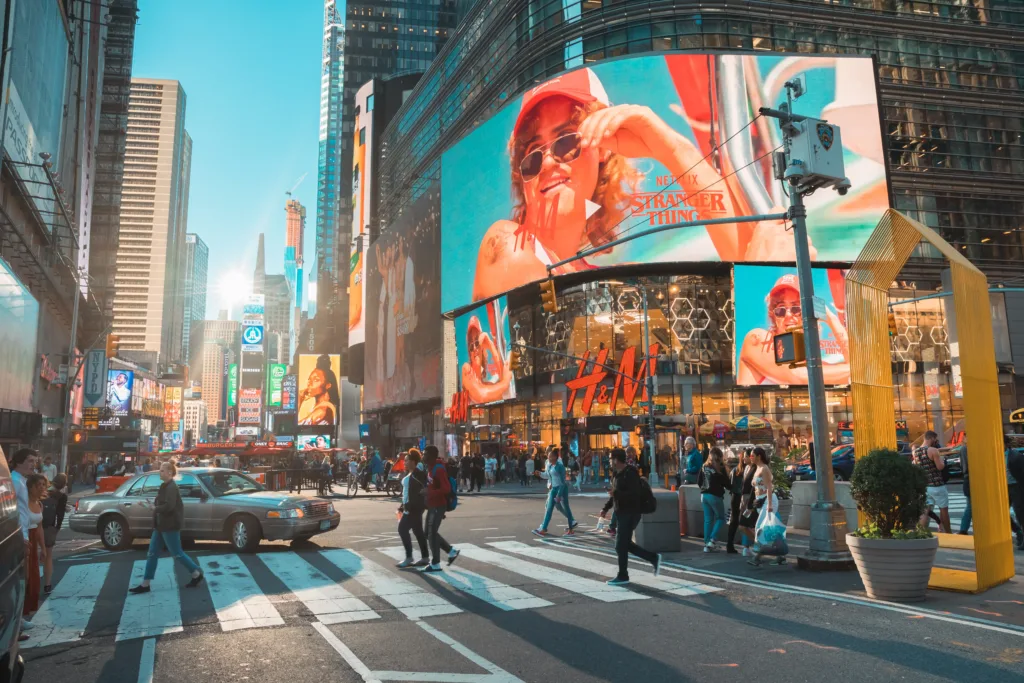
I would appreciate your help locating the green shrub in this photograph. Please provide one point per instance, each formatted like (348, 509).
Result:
(779, 479)
(890, 491)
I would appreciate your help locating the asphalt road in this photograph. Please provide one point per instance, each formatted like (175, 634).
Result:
(512, 608)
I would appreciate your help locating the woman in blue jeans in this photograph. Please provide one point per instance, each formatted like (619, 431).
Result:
(713, 482)
(168, 516)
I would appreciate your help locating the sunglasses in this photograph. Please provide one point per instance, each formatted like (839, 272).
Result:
(474, 345)
(780, 311)
(564, 150)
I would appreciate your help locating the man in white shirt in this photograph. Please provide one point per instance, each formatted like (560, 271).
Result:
(49, 469)
(23, 463)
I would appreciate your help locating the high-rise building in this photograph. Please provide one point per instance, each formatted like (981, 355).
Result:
(278, 306)
(213, 378)
(150, 252)
(195, 416)
(375, 40)
(259, 273)
(196, 260)
(295, 227)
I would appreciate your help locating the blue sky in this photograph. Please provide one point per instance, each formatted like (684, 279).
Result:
(251, 74)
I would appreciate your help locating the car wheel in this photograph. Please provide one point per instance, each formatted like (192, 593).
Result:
(114, 533)
(353, 489)
(244, 534)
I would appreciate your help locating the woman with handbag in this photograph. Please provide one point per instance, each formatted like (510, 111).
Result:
(411, 510)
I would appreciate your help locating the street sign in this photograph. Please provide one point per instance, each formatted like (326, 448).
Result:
(95, 389)
(820, 312)
(62, 374)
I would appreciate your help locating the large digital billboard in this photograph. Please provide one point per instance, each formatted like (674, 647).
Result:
(482, 346)
(19, 324)
(625, 145)
(362, 198)
(172, 407)
(403, 349)
(767, 301)
(275, 383)
(119, 391)
(319, 397)
(289, 388)
(232, 384)
(249, 406)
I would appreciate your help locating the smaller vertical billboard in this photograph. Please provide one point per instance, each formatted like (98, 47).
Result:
(233, 385)
(320, 397)
(171, 441)
(767, 300)
(275, 383)
(289, 389)
(172, 406)
(249, 406)
(119, 391)
(483, 351)
(362, 196)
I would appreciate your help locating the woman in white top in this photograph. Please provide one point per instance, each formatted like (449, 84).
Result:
(36, 485)
(490, 465)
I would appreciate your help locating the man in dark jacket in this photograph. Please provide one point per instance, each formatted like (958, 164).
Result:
(438, 488)
(1015, 484)
(628, 498)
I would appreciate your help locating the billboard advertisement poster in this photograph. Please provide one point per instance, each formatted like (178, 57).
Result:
(630, 144)
(19, 322)
(233, 385)
(289, 388)
(362, 197)
(171, 441)
(483, 351)
(275, 383)
(172, 406)
(319, 400)
(249, 406)
(403, 348)
(307, 442)
(119, 391)
(767, 300)
(247, 431)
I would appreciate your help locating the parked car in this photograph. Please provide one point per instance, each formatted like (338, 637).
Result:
(842, 463)
(220, 504)
(12, 578)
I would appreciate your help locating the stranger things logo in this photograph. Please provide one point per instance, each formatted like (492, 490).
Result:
(626, 382)
(674, 205)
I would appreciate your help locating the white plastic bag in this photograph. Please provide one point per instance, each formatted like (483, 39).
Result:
(770, 528)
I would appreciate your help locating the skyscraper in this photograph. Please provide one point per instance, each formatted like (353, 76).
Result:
(329, 167)
(278, 308)
(259, 273)
(150, 253)
(196, 261)
(295, 228)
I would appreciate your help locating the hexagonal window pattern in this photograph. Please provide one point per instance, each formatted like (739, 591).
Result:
(681, 308)
(700, 319)
(914, 334)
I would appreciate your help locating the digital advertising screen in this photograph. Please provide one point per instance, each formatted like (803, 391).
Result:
(172, 406)
(275, 383)
(767, 300)
(233, 384)
(483, 351)
(362, 197)
(403, 347)
(119, 391)
(319, 396)
(307, 442)
(249, 406)
(289, 389)
(626, 145)
(19, 323)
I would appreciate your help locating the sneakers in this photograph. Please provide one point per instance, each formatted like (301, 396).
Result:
(452, 556)
(754, 562)
(26, 625)
(422, 562)
(731, 550)
(778, 561)
(195, 581)
(543, 533)
(710, 547)
(138, 590)
(746, 551)
(657, 565)
(406, 563)
(572, 527)
(432, 569)
(47, 589)
(617, 581)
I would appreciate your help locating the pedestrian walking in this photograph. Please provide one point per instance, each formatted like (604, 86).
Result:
(55, 504)
(478, 472)
(741, 486)
(23, 464)
(967, 517)
(35, 485)
(412, 508)
(606, 465)
(48, 470)
(531, 466)
(558, 494)
(627, 496)
(438, 491)
(297, 467)
(713, 481)
(168, 517)
(490, 467)
(576, 471)
(928, 458)
(765, 500)
(692, 460)
(465, 472)
(521, 468)
(1015, 488)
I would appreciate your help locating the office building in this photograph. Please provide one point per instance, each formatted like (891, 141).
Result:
(216, 356)
(150, 252)
(295, 228)
(279, 311)
(195, 417)
(259, 273)
(197, 256)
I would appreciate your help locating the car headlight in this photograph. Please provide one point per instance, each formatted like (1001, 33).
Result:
(330, 507)
(289, 513)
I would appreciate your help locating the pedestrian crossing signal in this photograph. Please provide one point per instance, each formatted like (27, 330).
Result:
(549, 302)
(76, 436)
(516, 360)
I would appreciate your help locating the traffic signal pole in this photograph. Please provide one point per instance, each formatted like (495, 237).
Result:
(649, 386)
(69, 393)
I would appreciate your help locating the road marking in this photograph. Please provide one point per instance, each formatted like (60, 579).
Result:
(346, 654)
(156, 612)
(331, 603)
(666, 584)
(498, 537)
(500, 595)
(490, 528)
(406, 597)
(555, 577)
(147, 661)
(66, 611)
(984, 624)
(237, 599)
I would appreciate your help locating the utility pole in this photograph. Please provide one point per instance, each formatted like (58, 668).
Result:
(69, 394)
(649, 388)
(821, 166)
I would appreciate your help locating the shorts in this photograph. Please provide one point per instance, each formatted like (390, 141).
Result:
(938, 496)
(50, 536)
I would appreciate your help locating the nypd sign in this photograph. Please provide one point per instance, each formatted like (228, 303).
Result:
(252, 338)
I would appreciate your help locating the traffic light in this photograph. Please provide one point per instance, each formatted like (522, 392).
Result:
(76, 436)
(547, 296)
(892, 324)
(516, 361)
(113, 343)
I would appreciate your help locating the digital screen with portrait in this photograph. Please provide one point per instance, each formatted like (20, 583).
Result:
(119, 391)
(483, 349)
(767, 300)
(319, 390)
(402, 362)
(307, 442)
(626, 145)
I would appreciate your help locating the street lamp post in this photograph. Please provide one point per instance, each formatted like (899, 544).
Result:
(649, 386)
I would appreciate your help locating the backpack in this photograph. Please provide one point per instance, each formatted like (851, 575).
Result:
(453, 486)
(703, 481)
(648, 503)
(49, 512)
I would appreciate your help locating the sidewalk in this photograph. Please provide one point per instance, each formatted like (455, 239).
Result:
(503, 489)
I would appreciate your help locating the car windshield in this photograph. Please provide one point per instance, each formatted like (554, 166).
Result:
(229, 483)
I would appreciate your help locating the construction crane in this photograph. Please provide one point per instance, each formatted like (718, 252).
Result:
(297, 183)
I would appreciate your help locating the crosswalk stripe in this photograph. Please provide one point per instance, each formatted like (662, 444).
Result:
(406, 597)
(555, 577)
(66, 611)
(156, 612)
(237, 598)
(500, 595)
(331, 603)
(666, 584)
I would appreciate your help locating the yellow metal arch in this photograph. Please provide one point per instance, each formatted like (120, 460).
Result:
(867, 296)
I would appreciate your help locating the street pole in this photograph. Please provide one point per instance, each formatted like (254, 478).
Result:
(649, 386)
(69, 396)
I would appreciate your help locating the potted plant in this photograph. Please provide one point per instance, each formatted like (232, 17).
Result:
(893, 553)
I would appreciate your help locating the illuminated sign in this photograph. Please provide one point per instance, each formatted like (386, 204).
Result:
(119, 391)
(249, 405)
(625, 381)
(233, 384)
(275, 383)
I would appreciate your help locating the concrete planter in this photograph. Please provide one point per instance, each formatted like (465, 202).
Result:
(894, 569)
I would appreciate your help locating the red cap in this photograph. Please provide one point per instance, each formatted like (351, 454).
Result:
(581, 85)
(787, 281)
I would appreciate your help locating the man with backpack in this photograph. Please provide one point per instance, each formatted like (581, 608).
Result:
(632, 497)
(441, 497)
